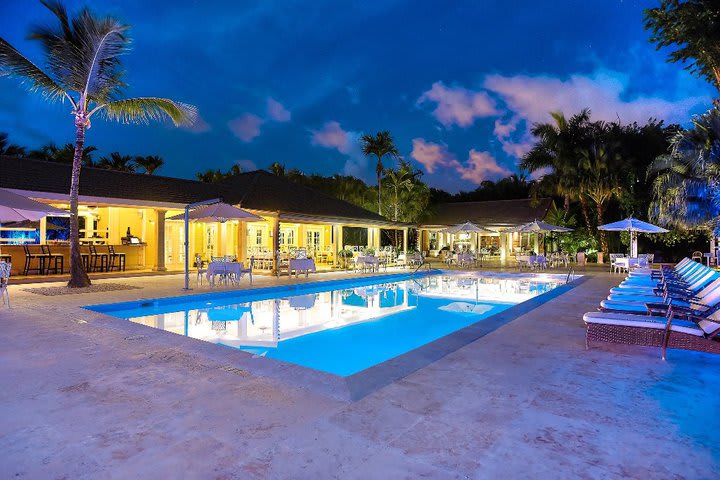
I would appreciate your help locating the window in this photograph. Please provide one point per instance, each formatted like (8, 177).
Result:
(258, 237)
(313, 239)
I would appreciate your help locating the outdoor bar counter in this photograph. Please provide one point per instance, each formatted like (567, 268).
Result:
(134, 256)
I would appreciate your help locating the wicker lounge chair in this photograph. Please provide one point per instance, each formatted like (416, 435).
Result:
(688, 332)
(5, 268)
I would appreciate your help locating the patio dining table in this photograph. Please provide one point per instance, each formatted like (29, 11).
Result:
(626, 263)
(226, 270)
(298, 265)
(368, 263)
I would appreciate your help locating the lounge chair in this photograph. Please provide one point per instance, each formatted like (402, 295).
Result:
(705, 298)
(688, 332)
(5, 268)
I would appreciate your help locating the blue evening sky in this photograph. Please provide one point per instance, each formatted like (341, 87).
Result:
(457, 83)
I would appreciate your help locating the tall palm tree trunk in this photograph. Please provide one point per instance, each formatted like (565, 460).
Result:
(586, 214)
(78, 276)
(603, 240)
(378, 170)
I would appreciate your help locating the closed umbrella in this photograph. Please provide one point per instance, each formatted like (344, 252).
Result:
(632, 226)
(16, 208)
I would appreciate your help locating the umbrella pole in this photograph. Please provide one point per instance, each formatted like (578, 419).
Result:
(187, 236)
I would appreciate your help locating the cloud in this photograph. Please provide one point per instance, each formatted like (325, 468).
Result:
(246, 127)
(332, 135)
(276, 111)
(480, 166)
(532, 98)
(431, 155)
(246, 165)
(347, 142)
(457, 105)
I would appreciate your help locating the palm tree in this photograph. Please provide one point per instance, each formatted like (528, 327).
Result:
(9, 149)
(277, 168)
(398, 180)
(380, 145)
(557, 149)
(686, 188)
(65, 154)
(216, 176)
(149, 163)
(83, 67)
(117, 162)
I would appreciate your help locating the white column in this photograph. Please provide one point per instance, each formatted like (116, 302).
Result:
(160, 237)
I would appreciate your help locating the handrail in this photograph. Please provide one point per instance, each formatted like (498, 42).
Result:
(571, 274)
(420, 266)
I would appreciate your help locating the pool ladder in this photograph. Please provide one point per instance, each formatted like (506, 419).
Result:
(426, 264)
(570, 275)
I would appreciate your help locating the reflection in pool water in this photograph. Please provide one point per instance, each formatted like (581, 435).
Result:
(344, 330)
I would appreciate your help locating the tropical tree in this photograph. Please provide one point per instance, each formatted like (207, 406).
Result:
(277, 168)
(65, 154)
(397, 181)
(149, 163)
(692, 28)
(380, 145)
(216, 175)
(556, 151)
(9, 149)
(686, 188)
(599, 180)
(120, 163)
(83, 67)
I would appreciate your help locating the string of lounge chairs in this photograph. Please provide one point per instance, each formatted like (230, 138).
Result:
(670, 307)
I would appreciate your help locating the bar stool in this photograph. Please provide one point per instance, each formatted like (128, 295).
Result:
(54, 259)
(94, 257)
(119, 256)
(29, 257)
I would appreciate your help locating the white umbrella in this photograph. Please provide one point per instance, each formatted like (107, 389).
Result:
(537, 226)
(632, 226)
(467, 227)
(209, 211)
(16, 208)
(218, 212)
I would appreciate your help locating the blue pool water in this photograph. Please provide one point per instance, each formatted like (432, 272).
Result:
(339, 327)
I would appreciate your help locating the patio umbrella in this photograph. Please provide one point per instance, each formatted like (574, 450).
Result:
(632, 226)
(467, 227)
(218, 212)
(209, 211)
(16, 208)
(538, 226)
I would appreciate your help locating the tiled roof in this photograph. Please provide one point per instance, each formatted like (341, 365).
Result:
(493, 213)
(258, 190)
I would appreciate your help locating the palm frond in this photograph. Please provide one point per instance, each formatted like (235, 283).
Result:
(13, 63)
(145, 109)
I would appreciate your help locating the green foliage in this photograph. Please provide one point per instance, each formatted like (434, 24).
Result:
(679, 236)
(513, 187)
(116, 161)
(686, 187)
(691, 28)
(9, 149)
(65, 154)
(217, 176)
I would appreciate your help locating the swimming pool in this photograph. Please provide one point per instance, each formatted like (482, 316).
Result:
(339, 327)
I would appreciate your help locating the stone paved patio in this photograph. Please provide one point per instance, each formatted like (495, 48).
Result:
(87, 396)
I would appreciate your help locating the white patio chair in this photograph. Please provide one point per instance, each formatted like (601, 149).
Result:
(201, 267)
(5, 268)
